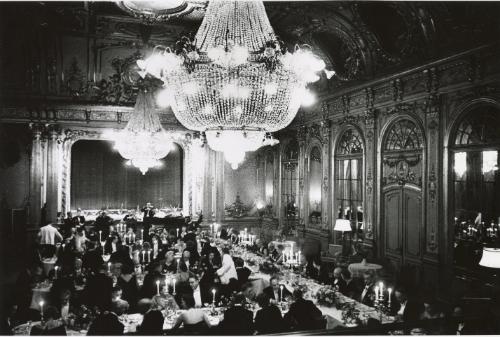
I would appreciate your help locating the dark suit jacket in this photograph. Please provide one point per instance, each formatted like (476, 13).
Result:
(237, 321)
(243, 275)
(412, 311)
(350, 289)
(98, 291)
(369, 297)
(304, 315)
(340, 284)
(269, 320)
(269, 292)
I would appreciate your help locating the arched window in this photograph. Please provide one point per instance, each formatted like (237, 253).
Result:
(349, 178)
(315, 177)
(476, 182)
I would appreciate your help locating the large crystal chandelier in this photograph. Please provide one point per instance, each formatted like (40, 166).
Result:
(235, 81)
(143, 141)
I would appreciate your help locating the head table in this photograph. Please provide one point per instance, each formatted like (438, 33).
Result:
(258, 279)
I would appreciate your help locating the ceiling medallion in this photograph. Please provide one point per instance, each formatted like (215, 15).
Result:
(234, 80)
(156, 11)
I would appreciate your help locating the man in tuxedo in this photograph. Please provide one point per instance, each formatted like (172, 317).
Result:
(350, 286)
(274, 292)
(237, 319)
(102, 223)
(268, 319)
(367, 295)
(242, 271)
(148, 214)
(338, 281)
(303, 314)
(199, 294)
(405, 309)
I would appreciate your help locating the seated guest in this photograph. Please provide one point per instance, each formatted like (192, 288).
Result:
(68, 224)
(338, 281)
(164, 301)
(102, 223)
(317, 270)
(80, 218)
(183, 232)
(277, 253)
(62, 300)
(119, 307)
(98, 289)
(185, 264)
(404, 308)
(303, 314)
(208, 269)
(242, 272)
(111, 244)
(194, 320)
(180, 245)
(274, 290)
(237, 319)
(430, 309)
(128, 282)
(367, 295)
(200, 295)
(122, 255)
(152, 324)
(106, 324)
(224, 234)
(52, 326)
(92, 259)
(170, 264)
(268, 319)
(149, 284)
(156, 247)
(117, 293)
(80, 240)
(350, 288)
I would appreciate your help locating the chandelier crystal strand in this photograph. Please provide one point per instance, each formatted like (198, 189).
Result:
(236, 83)
(143, 141)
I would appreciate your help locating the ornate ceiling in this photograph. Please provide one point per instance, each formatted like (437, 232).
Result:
(359, 40)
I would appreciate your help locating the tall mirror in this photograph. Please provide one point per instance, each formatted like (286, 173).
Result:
(315, 185)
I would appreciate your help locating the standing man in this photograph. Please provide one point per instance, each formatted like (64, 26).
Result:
(49, 235)
(148, 214)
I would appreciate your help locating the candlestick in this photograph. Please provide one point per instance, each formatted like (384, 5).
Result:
(158, 287)
(281, 288)
(41, 309)
(389, 290)
(381, 286)
(55, 271)
(100, 236)
(142, 234)
(177, 232)
(299, 257)
(143, 259)
(133, 237)
(173, 283)
(109, 267)
(376, 293)
(213, 293)
(149, 256)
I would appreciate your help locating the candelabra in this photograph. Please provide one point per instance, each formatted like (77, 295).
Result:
(382, 304)
(246, 239)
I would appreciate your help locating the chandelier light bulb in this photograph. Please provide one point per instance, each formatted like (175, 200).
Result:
(308, 98)
(164, 98)
(271, 88)
(329, 73)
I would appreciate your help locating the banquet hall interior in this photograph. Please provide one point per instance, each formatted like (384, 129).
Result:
(179, 167)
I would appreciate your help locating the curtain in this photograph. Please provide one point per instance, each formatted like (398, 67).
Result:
(100, 178)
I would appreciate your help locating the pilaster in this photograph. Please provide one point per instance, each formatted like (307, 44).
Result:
(36, 174)
(54, 170)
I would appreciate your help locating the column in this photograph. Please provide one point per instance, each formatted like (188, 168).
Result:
(54, 152)
(36, 175)
(301, 138)
(326, 161)
(370, 153)
(219, 187)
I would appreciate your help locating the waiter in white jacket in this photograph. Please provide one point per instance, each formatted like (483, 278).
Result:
(228, 270)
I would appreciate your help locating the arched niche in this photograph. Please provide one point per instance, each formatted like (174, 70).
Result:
(474, 182)
(290, 180)
(100, 178)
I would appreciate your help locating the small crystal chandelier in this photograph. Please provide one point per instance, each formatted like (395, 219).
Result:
(234, 81)
(143, 141)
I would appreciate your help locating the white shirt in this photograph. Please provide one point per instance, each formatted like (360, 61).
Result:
(113, 247)
(155, 250)
(402, 308)
(363, 294)
(197, 297)
(48, 235)
(228, 270)
(65, 311)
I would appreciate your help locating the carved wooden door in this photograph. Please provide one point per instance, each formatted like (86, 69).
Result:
(402, 221)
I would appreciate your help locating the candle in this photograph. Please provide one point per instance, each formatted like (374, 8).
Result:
(211, 228)
(133, 237)
(381, 286)
(173, 283)
(177, 231)
(149, 256)
(281, 289)
(109, 267)
(55, 269)
(100, 236)
(376, 293)
(389, 290)
(142, 234)
(143, 254)
(158, 287)
(213, 294)
(41, 309)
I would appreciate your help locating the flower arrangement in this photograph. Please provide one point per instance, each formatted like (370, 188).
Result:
(327, 296)
(350, 315)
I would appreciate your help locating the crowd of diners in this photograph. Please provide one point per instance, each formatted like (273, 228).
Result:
(204, 273)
